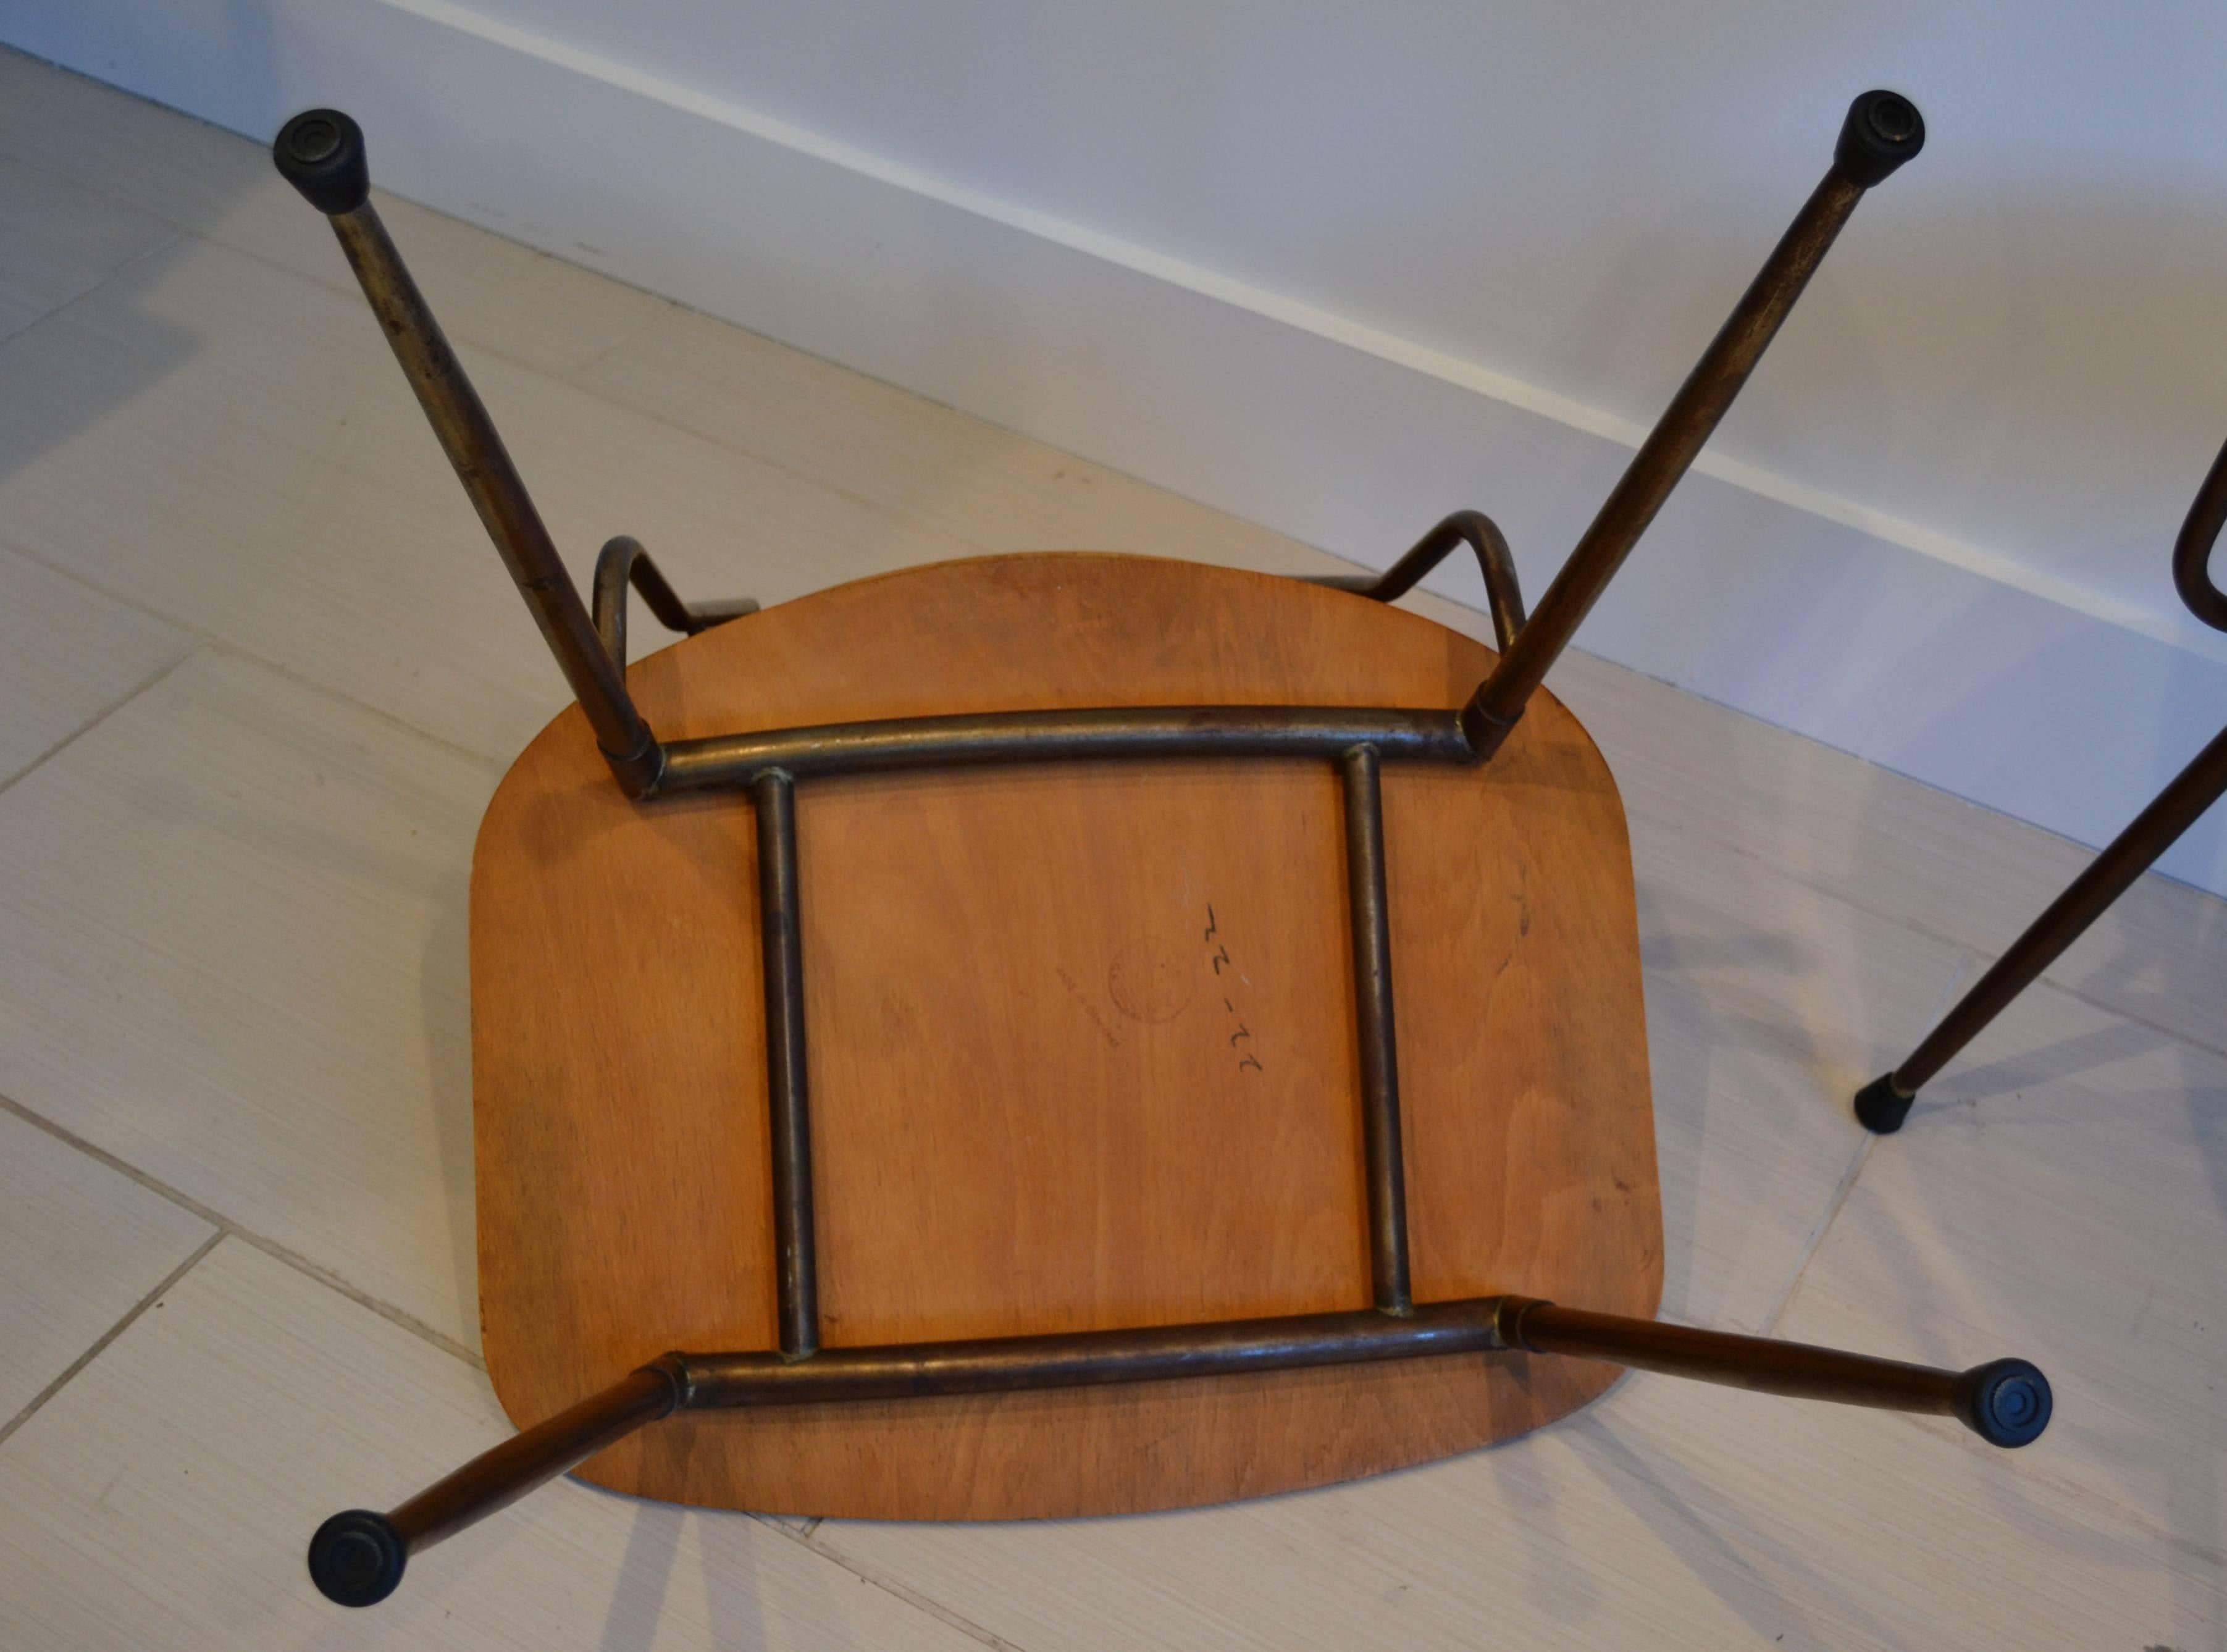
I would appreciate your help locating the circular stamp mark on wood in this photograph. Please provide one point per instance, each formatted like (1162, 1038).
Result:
(1150, 980)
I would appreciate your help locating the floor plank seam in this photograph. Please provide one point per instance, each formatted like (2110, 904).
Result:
(575, 376)
(343, 283)
(1967, 966)
(1986, 810)
(1987, 959)
(226, 1226)
(380, 713)
(111, 1334)
(568, 379)
(206, 234)
(1977, 962)
(1917, 927)
(785, 554)
(93, 722)
(361, 1298)
(1815, 1241)
(2122, 1507)
(905, 1592)
(2120, 1011)
(203, 638)
(178, 233)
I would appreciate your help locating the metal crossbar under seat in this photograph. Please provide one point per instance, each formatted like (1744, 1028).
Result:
(358, 1557)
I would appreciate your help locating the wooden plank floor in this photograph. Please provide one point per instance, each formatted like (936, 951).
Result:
(261, 675)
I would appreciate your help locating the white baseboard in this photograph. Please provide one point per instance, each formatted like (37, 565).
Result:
(1962, 667)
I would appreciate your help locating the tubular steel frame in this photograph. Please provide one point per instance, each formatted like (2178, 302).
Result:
(1884, 1103)
(357, 1557)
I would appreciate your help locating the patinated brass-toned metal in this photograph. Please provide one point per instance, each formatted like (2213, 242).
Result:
(1081, 1359)
(621, 560)
(2007, 1402)
(1503, 593)
(1884, 1104)
(2192, 550)
(2010, 1416)
(1115, 734)
(795, 1252)
(2111, 874)
(468, 436)
(1661, 462)
(1378, 1046)
(356, 1558)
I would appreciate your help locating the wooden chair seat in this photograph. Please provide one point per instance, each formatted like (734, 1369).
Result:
(1081, 1044)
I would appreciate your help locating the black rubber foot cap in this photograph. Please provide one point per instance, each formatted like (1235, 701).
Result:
(1884, 128)
(1881, 1106)
(2004, 1402)
(320, 152)
(357, 1559)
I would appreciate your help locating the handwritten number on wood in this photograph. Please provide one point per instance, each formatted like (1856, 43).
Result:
(1221, 956)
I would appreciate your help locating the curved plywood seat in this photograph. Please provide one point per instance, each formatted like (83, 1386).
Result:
(1081, 1047)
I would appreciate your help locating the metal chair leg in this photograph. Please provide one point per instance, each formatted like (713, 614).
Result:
(1883, 130)
(1884, 1103)
(357, 1557)
(320, 153)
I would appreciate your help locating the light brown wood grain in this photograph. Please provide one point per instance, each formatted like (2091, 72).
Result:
(1032, 1105)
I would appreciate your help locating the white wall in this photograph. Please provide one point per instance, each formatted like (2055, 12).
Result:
(2023, 347)
(1342, 267)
